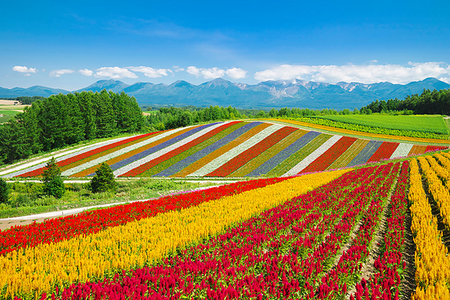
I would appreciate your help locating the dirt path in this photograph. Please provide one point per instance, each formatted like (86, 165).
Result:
(408, 284)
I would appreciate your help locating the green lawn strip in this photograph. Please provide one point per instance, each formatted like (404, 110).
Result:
(417, 132)
(166, 164)
(447, 124)
(298, 156)
(27, 198)
(268, 154)
(349, 154)
(425, 123)
(6, 115)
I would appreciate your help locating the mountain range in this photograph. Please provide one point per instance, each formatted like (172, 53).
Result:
(267, 94)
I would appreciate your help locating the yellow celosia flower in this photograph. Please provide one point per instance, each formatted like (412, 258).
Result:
(431, 257)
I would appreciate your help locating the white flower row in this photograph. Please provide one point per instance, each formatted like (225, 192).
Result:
(165, 150)
(402, 150)
(40, 163)
(313, 156)
(117, 153)
(224, 158)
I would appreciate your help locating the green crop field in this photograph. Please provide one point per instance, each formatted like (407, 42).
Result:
(424, 123)
(6, 115)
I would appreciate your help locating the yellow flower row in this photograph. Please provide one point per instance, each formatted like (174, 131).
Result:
(442, 171)
(136, 244)
(440, 291)
(353, 132)
(431, 257)
(435, 187)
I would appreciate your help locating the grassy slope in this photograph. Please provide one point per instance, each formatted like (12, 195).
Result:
(25, 199)
(425, 123)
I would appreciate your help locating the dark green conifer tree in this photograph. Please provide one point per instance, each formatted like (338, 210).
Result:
(4, 191)
(103, 179)
(53, 183)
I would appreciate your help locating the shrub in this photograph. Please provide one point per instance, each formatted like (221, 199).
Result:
(103, 179)
(4, 191)
(53, 183)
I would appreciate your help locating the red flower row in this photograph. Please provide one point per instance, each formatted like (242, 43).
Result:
(349, 266)
(383, 152)
(276, 255)
(327, 158)
(144, 167)
(385, 282)
(83, 155)
(54, 230)
(243, 158)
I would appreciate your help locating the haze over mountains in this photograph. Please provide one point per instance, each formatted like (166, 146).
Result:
(267, 94)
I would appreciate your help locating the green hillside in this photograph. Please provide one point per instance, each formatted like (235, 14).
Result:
(423, 123)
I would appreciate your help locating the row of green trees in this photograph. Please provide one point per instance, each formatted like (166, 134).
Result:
(25, 100)
(173, 117)
(429, 102)
(62, 120)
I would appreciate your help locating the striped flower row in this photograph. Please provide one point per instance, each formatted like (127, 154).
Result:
(232, 149)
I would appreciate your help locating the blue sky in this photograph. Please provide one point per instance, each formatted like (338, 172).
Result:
(70, 45)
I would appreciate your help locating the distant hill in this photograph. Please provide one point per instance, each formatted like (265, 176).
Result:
(29, 92)
(267, 94)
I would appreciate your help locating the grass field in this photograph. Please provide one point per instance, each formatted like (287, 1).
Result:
(425, 123)
(8, 111)
(26, 197)
(6, 115)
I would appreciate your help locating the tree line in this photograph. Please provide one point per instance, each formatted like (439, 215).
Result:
(429, 102)
(174, 117)
(62, 120)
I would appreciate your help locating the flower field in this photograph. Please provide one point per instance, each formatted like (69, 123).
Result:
(316, 123)
(326, 235)
(224, 149)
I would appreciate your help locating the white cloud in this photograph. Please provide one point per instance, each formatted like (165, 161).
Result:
(151, 72)
(236, 73)
(357, 73)
(59, 73)
(211, 73)
(24, 69)
(208, 73)
(178, 69)
(114, 72)
(86, 72)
